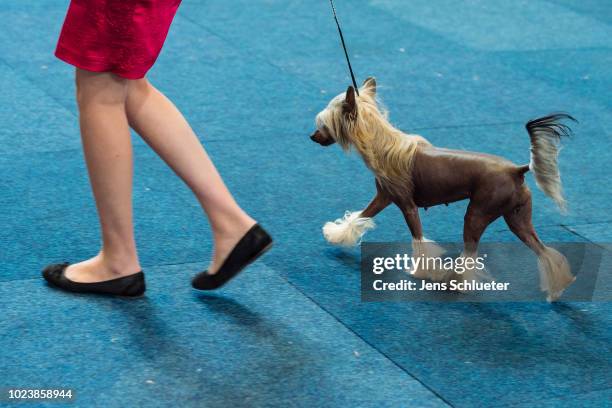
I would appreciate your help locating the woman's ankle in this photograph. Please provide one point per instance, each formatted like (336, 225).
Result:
(120, 264)
(236, 225)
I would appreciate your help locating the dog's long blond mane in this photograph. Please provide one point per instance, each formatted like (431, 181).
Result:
(386, 150)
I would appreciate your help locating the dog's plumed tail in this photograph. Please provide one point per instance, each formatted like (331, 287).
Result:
(348, 230)
(545, 134)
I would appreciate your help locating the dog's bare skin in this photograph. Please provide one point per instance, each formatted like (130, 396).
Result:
(494, 186)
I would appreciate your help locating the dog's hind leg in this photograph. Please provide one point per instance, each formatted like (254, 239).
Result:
(555, 274)
(347, 231)
(422, 247)
(476, 221)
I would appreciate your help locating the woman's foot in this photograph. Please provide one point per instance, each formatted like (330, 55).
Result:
(254, 243)
(101, 268)
(128, 286)
(226, 241)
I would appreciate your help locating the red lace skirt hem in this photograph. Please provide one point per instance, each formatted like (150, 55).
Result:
(118, 36)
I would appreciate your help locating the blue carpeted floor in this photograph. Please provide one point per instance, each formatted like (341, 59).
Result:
(250, 76)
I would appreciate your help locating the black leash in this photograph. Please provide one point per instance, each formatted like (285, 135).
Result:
(344, 46)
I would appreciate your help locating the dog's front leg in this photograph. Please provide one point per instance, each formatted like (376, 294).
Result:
(347, 231)
(378, 203)
(428, 251)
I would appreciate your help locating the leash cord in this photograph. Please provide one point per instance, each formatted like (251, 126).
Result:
(344, 46)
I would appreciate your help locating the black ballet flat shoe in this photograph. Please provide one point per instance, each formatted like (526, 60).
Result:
(128, 286)
(250, 247)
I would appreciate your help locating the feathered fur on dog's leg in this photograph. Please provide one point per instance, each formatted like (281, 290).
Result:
(427, 249)
(348, 230)
(555, 275)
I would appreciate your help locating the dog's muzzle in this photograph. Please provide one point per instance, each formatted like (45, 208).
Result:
(321, 139)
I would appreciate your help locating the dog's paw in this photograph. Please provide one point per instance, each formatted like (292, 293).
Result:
(428, 262)
(348, 230)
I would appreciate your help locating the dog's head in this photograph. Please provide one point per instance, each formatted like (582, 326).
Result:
(336, 121)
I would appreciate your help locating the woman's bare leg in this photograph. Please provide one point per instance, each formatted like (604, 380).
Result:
(164, 128)
(108, 152)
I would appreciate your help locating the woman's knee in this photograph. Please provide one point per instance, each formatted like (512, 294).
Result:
(100, 88)
(138, 89)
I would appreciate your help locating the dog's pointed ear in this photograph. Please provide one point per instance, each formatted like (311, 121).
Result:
(349, 107)
(369, 85)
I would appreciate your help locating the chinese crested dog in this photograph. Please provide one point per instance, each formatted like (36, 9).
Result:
(410, 172)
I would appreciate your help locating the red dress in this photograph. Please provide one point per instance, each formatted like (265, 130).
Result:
(119, 36)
